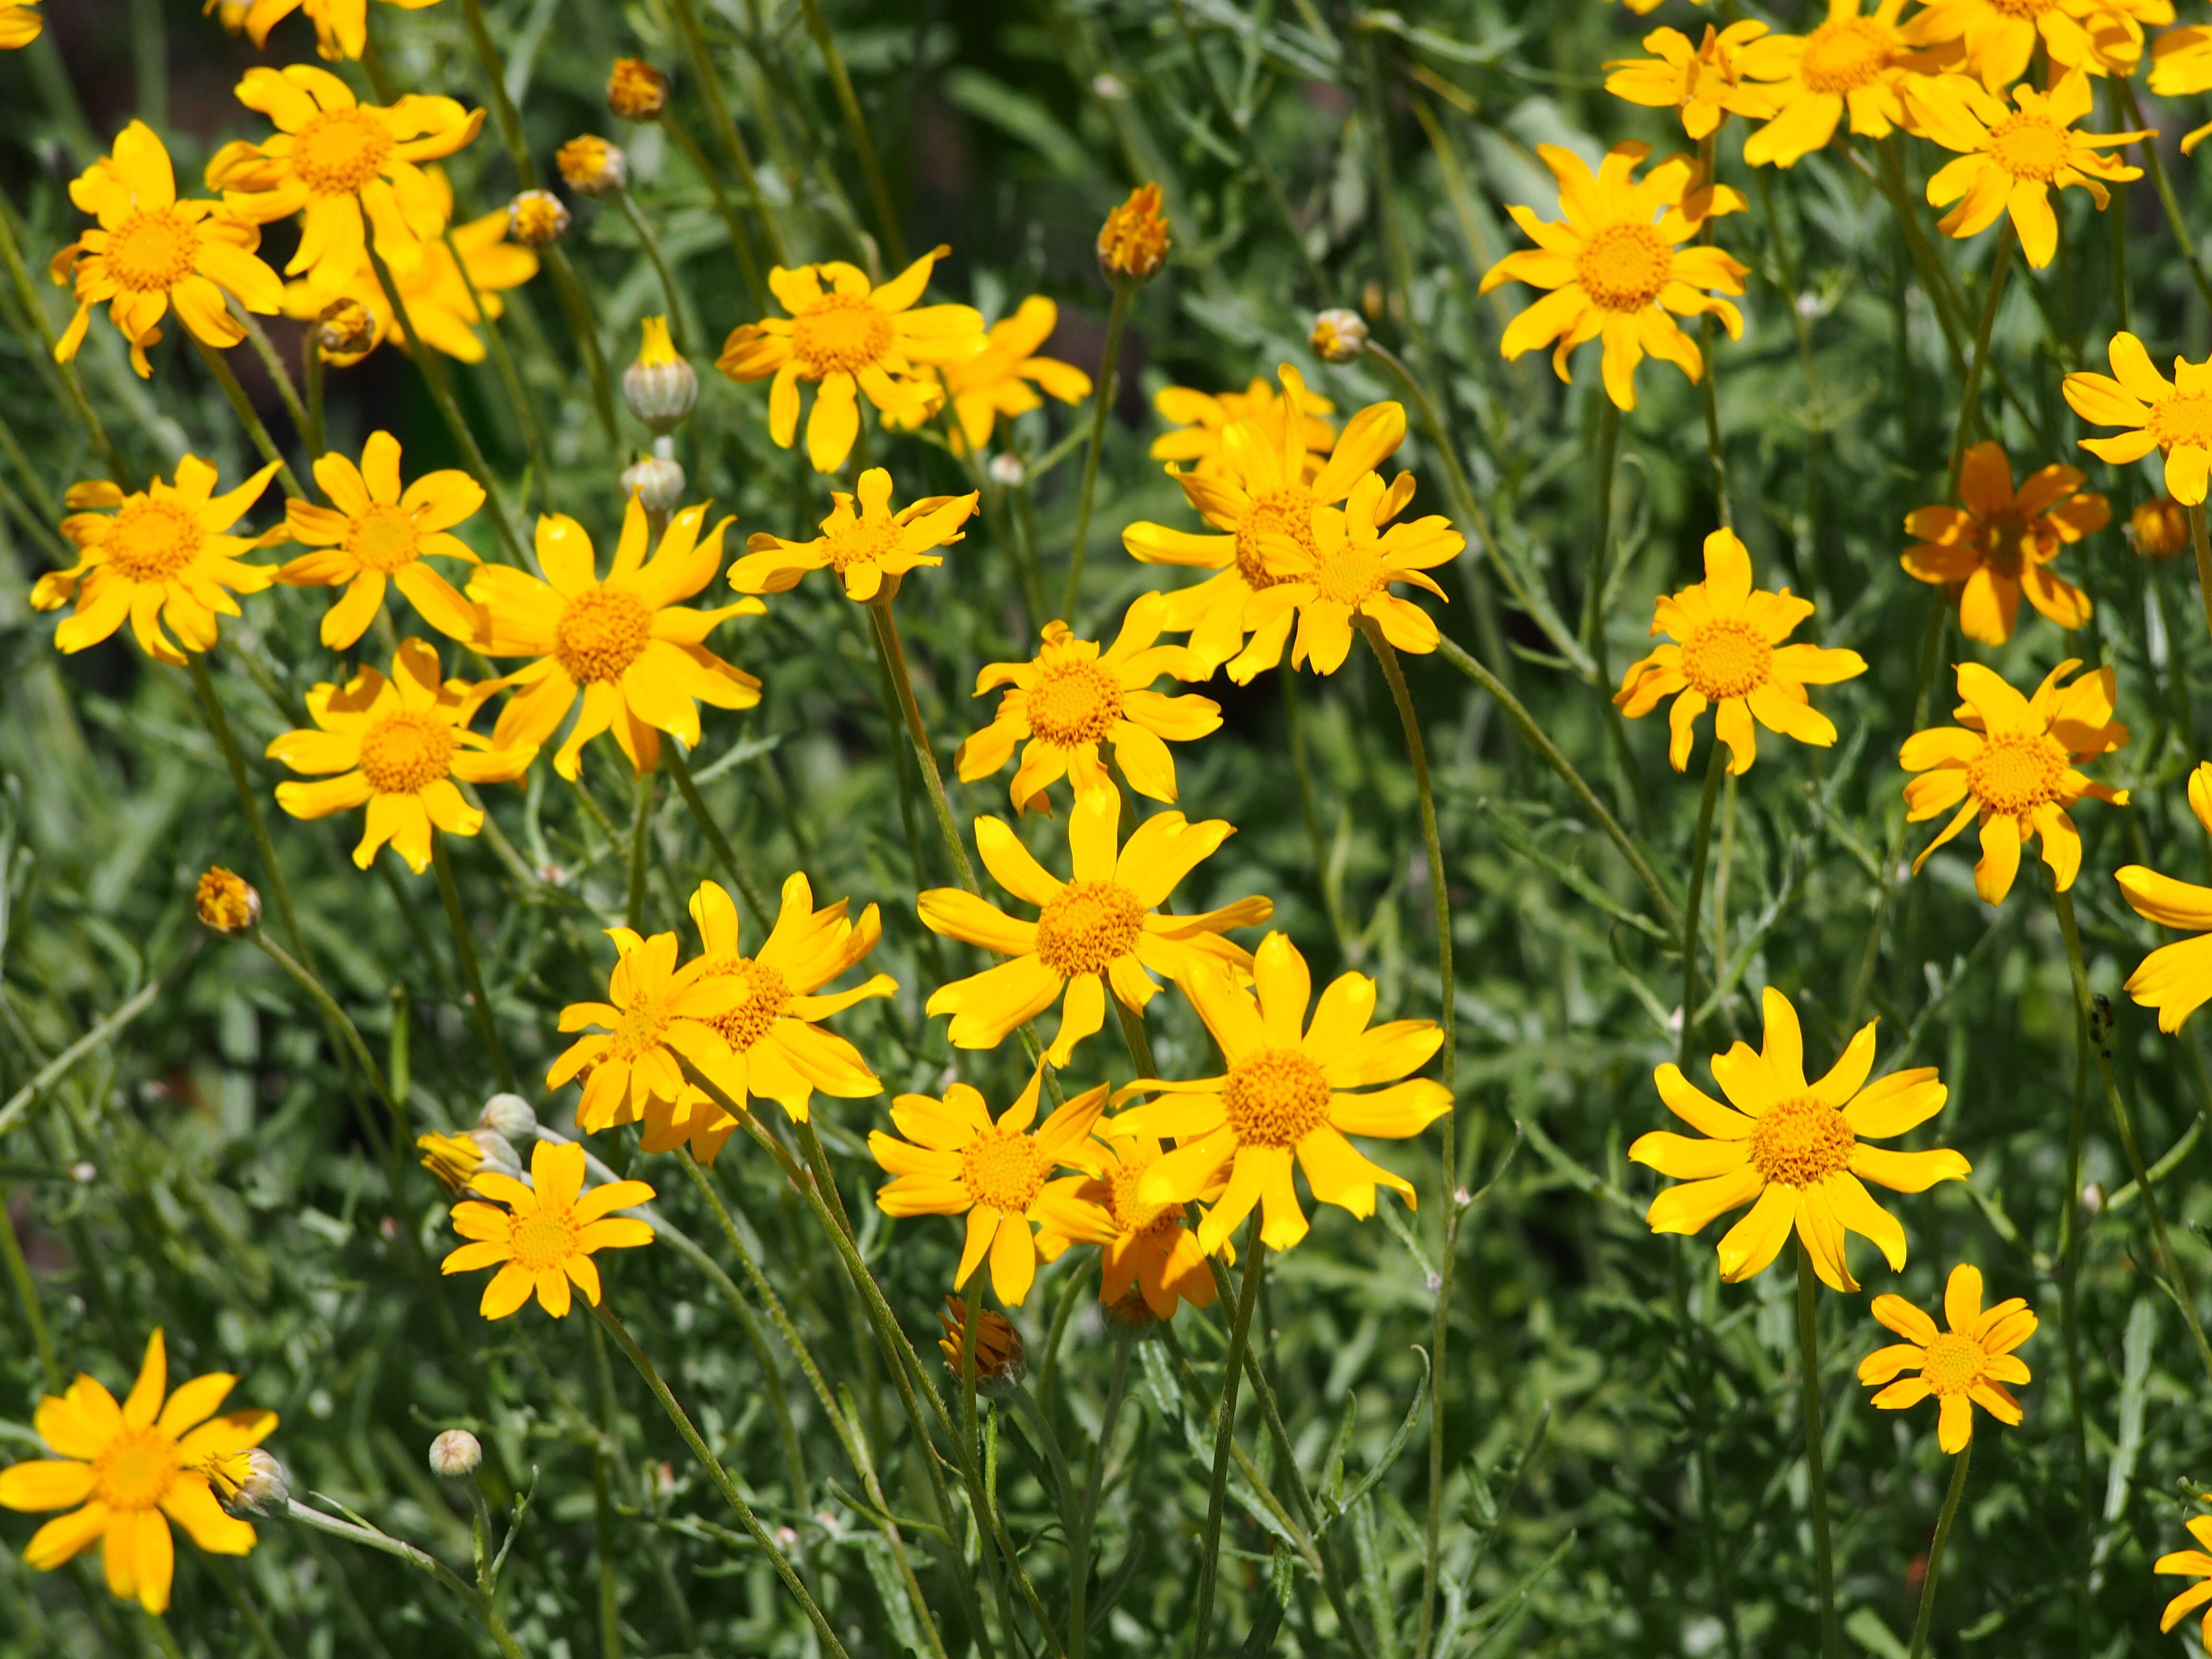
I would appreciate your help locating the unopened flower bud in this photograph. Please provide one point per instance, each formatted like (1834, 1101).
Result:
(537, 217)
(345, 331)
(499, 1154)
(1008, 469)
(454, 1159)
(661, 387)
(226, 902)
(1000, 1360)
(657, 482)
(1338, 334)
(251, 1481)
(591, 166)
(2159, 527)
(454, 1453)
(636, 91)
(510, 1116)
(1132, 243)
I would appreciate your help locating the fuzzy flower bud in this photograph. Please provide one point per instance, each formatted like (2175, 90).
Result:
(2159, 527)
(454, 1453)
(345, 331)
(591, 166)
(251, 1481)
(537, 217)
(1000, 1360)
(636, 91)
(226, 902)
(1132, 243)
(661, 387)
(508, 1115)
(1338, 334)
(657, 481)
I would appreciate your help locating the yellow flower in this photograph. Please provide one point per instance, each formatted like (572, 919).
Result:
(1261, 490)
(1996, 543)
(638, 657)
(543, 1241)
(591, 166)
(343, 162)
(374, 531)
(1132, 243)
(1289, 1091)
(2012, 759)
(2174, 416)
(781, 1050)
(453, 1159)
(2190, 1564)
(853, 338)
(997, 379)
(1708, 82)
(1616, 268)
(1071, 697)
(999, 1358)
(2174, 979)
(152, 252)
(1728, 655)
(1796, 1147)
(636, 90)
(1153, 1252)
(134, 1469)
(1344, 571)
(19, 24)
(537, 217)
(2159, 527)
(869, 550)
(163, 555)
(1202, 420)
(956, 1161)
(341, 26)
(230, 14)
(226, 901)
(656, 1012)
(1966, 1366)
(1856, 61)
(2181, 63)
(1103, 927)
(396, 746)
(1997, 37)
(2009, 160)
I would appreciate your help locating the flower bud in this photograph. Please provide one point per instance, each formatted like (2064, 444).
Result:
(345, 331)
(1132, 243)
(537, 217)
(226, 902)
(510, 1116)
(661, 387)
(657, 482)
(1338, 334)
(1000, 1360)
(498, 1152)
(251, 1481)
(2159, 527)
(454, 1453)
(636, 91)
(453, 1159)
(1008, 469)
(591, 166)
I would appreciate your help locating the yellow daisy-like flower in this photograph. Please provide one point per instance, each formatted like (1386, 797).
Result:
(1995, 544)
(1103, 928)
(2011, 760)
(374, 531)
(1132, 243)
(956, 1161)
(2174, 416)
(19, 24)
(637, 657)
(126, 1472)
(351, 166)
(1728, 655)
(1709, 80)
(544, 1239)
(162, 555)
(1005, 377)
(1616, 267)
(2010, 161)
(341, 26)
(1071, 697)
(1291, 1090)
(2174, 979)
(2159, 527)
(1152, 1253)
(870, 550)
(2190, 1564)
(1964, 1367)
(1202, 418)
(854, 337)
(2181, 63)
(1854, 61)
(1263, 489)
(1798, 1148)
(656, 1012)
(1997, 37)
(152, 252)
(396, 746)
(781, 1050)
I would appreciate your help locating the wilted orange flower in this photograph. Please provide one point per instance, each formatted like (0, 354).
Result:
(2159, 527)
(636, 90)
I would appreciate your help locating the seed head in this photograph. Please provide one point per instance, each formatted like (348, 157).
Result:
(454, 1453)
(226, 902)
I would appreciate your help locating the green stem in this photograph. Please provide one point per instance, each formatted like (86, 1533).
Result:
(1086, 1514)
(603, 1534)
(1101, 402)
(678, 311)
(1933, 282)
(242, 406)
(679, 768)
(1930, 653)
(1808, 1367)
(894, 658)
(311, 356)
(741, 244)
(370, 1538)
(1592, 632)
(641, 832)
(341, 1023)
(2156, 167)
(1225, 1436)
(257, 337)
(502, 107)
(1970, 399)
(2198, 541)
(248, 1610)
(218, 723)
(2069, 1263)
(581, 323)
(863, 146)
(27, 296)
(1936, 1550)
(1716, 765)
(27, 1293)
(533, 433)
(479, 1003)
(1316, 842)
(733, 139)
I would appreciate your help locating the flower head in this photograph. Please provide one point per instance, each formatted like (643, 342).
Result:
(1615, 267)
(163, 555)
(126, 1472)
(2174, 416)
(1071, 697)
(2190, 1564)
(1798, 1148)
(636, 90)
(536, 218)
(1000, 1361)
(1338, 336)
(1132, 243)
(2174, 979)
(850, 338)
(870, 549)
(1202, 420)
(454, 1453)
(1154, 1252)
(957, 1161)
(2159, 527)
(1289, 1090)
(2011, 760)
(226, 901)
(1855, 60)
(660, 387)
(1102, 929)
(374, 532)
(1996, 543)
(544, 1239)
(1003, 378)
(396, 745)
(591, 166)
(1708, 82)
(1728, 655)
(1966, 1366)
(151, 251)
(657, 1018)
(1341, 573)
(341, 26)
(1996, 38)
(19, 24)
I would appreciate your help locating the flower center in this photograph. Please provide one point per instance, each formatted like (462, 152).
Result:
(1727, 658)
(864, 541)
(1073, 703)
(2185, 418)
(1002, 1170)
(1954, 1364)
(543, 1239)
(1131, 1214)
(1353, 576)
(405, 752)
(1622, 267)
(603, 631)
(383, 538)
(2006, 539)
(1275, 1098)
(1846, 55)
(1287, 512)
(1088, 924)
(767, 993)
(137, 1470)
(2016, 772)
(838, 335)
(639, 1029)
(1800, 1142)
(153, 251)
(2029, 145)
(340, 151)
(152, 540)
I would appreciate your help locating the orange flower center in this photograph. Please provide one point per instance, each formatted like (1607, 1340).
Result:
(1622, 267)
(543, 1239)
(1131, 1214)
(1846, 55)
(864, 541)
(2029, 145)
(767, 994)
(1275, 1098)
(137, 1469)
(1800, 1142)
(2016, 772)
(639, 1029)
(340, 151)
(1285, 511)
(152, 252)
(2184, 418)
(1073, 702)
(1002, 1170)
(2007, 540)
(602, 632)
(839, 334)
(1351, 575)
(1727, 657)
(405, 752)
(383, 538)
(1954, 1364)
(1088, 924)
(152, 540)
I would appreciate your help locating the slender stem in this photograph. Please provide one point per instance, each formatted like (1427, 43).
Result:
(1593, 624)
(1101, 402)
(242, 406)
(679, 768)
(741, 244)
(2183, 237)
(1933, 281)
(1708, 387)
(257, 337)
(1939, 613)
(1225, 1435)
(678, 312)
(1316, 843)
(1086, 1514)
(311, 365)
(533, 433)
(726, 131)
(584, 326)
(218, 723)
(1970, 399)
(27, 296)
(502, 107)
(603, 1534)
(641, 832)
(164, 1638)
(2070, 1264)
(1808, 1367)
(479, 1003)
(27, 1293)
(1716, 765)
(370, 1538)
(342, 1022)
(2204, 547)
(242, 1599)
(894, 656)
(1936, 1550)
(863, 146)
